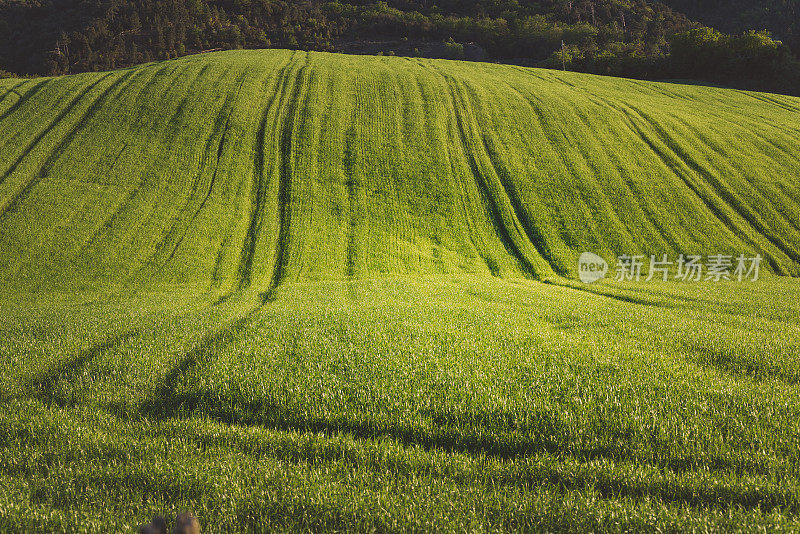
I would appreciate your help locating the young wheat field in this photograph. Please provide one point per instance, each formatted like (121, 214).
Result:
(307, 291)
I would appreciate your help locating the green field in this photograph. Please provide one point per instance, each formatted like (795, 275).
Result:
(307, 291)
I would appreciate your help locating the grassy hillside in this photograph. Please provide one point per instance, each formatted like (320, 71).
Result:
(250, 168)
(295, 291)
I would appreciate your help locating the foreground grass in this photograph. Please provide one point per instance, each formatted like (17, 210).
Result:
(405, 404)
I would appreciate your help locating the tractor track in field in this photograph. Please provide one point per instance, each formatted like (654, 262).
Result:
(455, 185)
(136, 190)
(494, 205)
(88, 242)
(635, 196)
(168, 402)
(257, 186)
(12, 89)
(532, 178)
(547, 127)
(284, 211)
(353, 183)
(786, 152)
(517, 204)
(31, 91)
(774, 201)
(727, 200)
(729, 197)
(229, 106)
(23, 193)
(769, 100)
(597, 198)
(45, 386)
(172, 126)
(447, 100)
(727, 221)
(286, 104)
(284, 86)
(350, 155)
(472, 230)
(792, 133)
(42, 134)
(119, 155)
(669, 157)
(228, 235)
(162, 74)
(600, 291)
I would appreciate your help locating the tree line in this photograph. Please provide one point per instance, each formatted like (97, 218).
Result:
(781, 17)
(634, 38)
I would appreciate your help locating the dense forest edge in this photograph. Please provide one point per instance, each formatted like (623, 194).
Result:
(674, 39)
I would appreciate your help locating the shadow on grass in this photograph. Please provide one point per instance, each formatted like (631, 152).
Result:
(737, 364)
(675, 483)
(45, 386)
(605, 291)
(168, 402)
(680, 478)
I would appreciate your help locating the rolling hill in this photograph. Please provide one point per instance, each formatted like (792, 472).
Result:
(309, 291)
(250, 168)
